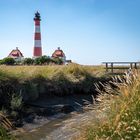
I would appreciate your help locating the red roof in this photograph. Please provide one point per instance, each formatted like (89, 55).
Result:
(15, 53)
(58, 53)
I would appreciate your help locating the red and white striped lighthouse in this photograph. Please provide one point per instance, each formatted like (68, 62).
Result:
(37, 37)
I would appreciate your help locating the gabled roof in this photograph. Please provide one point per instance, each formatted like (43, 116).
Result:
(15, 53)
(58, 53)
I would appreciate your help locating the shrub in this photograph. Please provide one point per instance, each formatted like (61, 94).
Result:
(8, 61)
(57, 61)
(16, 102)
(37, 61)
(46, 59)
(42, 60)
(1, 62)
(28, 61)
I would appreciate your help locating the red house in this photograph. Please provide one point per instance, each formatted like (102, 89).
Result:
(59, 54)
(16, 54)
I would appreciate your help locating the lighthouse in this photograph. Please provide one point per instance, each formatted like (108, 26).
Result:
(37, 37)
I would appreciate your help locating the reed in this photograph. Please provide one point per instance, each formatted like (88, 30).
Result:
(5, 126)
(122, 121)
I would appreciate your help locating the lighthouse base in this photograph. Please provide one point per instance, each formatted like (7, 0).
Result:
(37, 52)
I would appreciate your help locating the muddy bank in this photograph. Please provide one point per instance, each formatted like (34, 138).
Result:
(48, 109)
(74, 100)
(65, 127)
(40, 131)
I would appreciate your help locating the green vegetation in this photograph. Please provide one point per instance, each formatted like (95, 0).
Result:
(33, 81)
(16, 102)
(120, 95)
(123, 117)
(28, 61)
(4, 135)
(57, 61)
(44, 60)
(7, 61)
(20, 84)
(5, 125)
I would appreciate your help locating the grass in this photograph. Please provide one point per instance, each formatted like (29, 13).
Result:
(49, 71)
(123, 116)
(5, 125)
(72, 72)
(123, 111)
(4, 135)
(33, 81)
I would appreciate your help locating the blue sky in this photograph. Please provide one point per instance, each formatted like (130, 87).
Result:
(89, 31)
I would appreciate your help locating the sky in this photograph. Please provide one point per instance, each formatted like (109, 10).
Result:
(88, 31)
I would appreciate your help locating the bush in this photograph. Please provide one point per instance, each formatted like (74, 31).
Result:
(8, 61)
(47, 60)
(16, 102)
(42, 60)
(1, 62)
(57, 61)
(28, 61)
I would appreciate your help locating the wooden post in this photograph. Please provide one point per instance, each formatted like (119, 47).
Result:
(112, 67)
(106, 67)
(131, 65)
(135, 65)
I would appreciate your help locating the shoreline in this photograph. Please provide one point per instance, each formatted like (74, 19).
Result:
(47, 112)
(64, 126)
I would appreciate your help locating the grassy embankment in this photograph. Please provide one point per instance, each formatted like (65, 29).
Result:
(21, 84)
(33, 81)
(123, 116)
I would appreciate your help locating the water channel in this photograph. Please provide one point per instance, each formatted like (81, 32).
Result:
(62, 126)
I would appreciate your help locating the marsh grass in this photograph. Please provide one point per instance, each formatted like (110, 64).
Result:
(122, 121)
(5, 126)
(49, 71)
(22, 84)
(4, 135)
(33, 82)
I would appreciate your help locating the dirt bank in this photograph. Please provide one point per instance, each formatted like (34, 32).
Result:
(47, 110)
